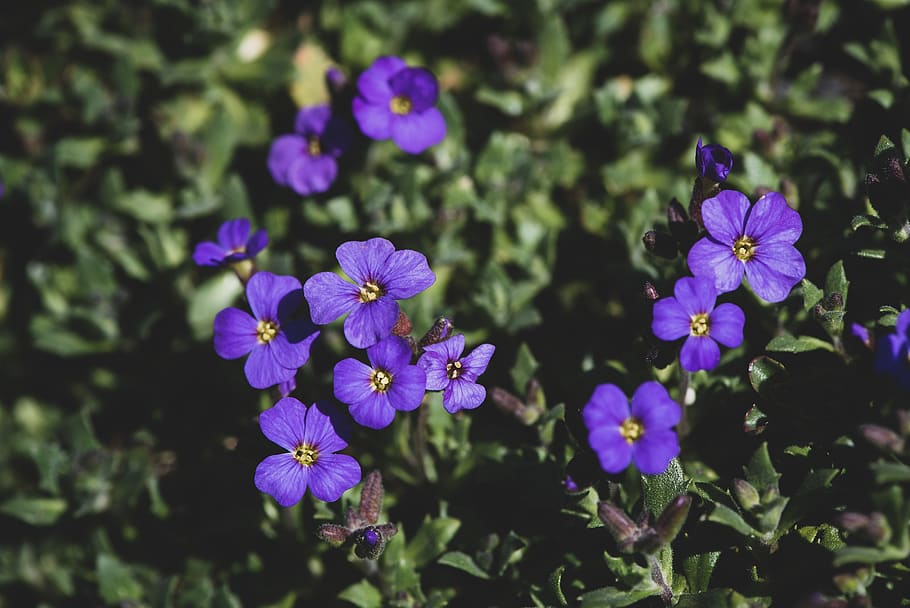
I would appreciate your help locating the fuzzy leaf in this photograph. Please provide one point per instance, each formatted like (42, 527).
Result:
(463, 562)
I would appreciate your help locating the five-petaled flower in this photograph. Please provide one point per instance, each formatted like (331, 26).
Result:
(310, 436)
(713, 161)
(455, 375)
(399, 102)
(644, 434)
(234, 244)
(692, 313)
(382, 276)
(892, 352)
(277, 343)
(374, 392)
(756, 239)
(305, 160)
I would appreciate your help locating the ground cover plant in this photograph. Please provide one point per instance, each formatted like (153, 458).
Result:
(482, 303)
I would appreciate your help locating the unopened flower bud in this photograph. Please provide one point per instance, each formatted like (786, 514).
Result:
(619, 525)
(368, 543)
(649, 291)
(746, 494)
(440, 332)
(834, 301)
(873, 528)
(672, 519)
(660, 244)
(683, 229)
(506, 401)
(403, 326)
(886, 183)
(713, 161)
(883, 438)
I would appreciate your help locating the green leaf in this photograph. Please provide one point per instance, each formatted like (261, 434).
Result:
(214, 295)
(555, 583)
(765, 374)
(525, 367)
(659, 490)
(431, 540)
(890, 472)
(78, 152)
(836, 281)
(35, 511)
(463, 562)
(698, 568)
(760, 472)
(721, 598)
(797, 344)
(874, 254)
(868, 221)
(362, 595)
(115, 581)
(611, 597)
(726, 516)
(812, 295)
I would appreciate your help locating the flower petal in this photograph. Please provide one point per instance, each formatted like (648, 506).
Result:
(419, 85)
(611, 448)
(351, 380)
(365, 261)
(415, 132)
(654, 451)
(374, 412)
(710, 258)
(332, 475)
(263, 370)
(257, 242)
(371, 322)
(699, 352)
(312, 174)
(312, 120)
(322, 430)
(670, 321)
(726, 323)
(463, 394)
(408, 388)
(449, 349)
(265, 291)
(284, 150)
(652, 404)
(774, 271)
(724, 215)
(235, 333)
(405, 274)
(374, 119)
(208, 253)
(772, 221)
(390, 354)
(292, 356)
(282, 478)
(232, 234)
(373, 83)
(476, 363)
(434, 366)
(329, 296)
(696, 295)
(608, 406)
(284, 423)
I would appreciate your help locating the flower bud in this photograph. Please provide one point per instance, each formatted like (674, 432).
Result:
(684, 230)
(333, 533)
(886, 183)
(746, 494)
(619, 525)
(660, 244)
(440, 332)
(649, 291)
(873, 528)
(403, 326)
(368, 543)
(883, 438)
(672, 519)
(713, 161)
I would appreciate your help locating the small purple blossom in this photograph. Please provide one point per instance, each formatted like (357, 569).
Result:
(399, 102)
(643, 435)
(278, 345)
(713, 161)
(455, 375)
(691, 313)
(756, 239)
(381, 275)
(305, 160)
(374, 392)
(892, 352)
(310, 436)
(234, 244)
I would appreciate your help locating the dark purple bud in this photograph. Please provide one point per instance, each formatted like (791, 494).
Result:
(440, 332)
(672, 519)
(333, 533)
(676, 213)
(834, 301)
(883, 438)
(371, 536)
(570, 484)
(746, 494)
(368, 543)
(873, 528)
(713, 161)
(335, 79)
(403, 326)
(649, 291)
(818, 311)
(660, 244)
(620, 526)
(683, 229)
(506, 401)
(886, 183)
(371, 498)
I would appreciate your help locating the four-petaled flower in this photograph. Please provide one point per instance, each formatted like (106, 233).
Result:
(234, 244)
(455, 375)
(644, 434)
(311, 439)
(305, 160)
(713, 161)
(374, 392)
(892, 352)
(382, 275)
(399, 102)
(692, 313)
(757, 240)
(277, 344)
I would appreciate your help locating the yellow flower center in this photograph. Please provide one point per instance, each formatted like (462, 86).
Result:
(306, 454)
(380, 380)
(266, 331)
(313, 146)
(453, 369)
(400, 105)
(631, 430)
(370, 292)
(744, 248)
(700, 325)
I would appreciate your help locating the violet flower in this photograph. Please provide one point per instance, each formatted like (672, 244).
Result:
(756, 240)
(892, 352)
(305, 161)
(399, 102)
(713, 161)
(388, 384)
(277, 344)
(311, 438)
(643, 434)
(692, 313)
(382, 276)
(455, 375)
(234, 244)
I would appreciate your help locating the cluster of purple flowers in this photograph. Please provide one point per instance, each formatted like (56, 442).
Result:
(277, 342)
(393, 101)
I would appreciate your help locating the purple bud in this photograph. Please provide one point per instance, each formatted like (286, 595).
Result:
(660, 244)
(371, 536)
(649, 291)
(619, 525)
(713, 161)
(440, 332)
(570, 484)
(883, 438)
(672, 519)
(746, 494)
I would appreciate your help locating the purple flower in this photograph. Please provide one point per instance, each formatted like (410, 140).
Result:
(713, 161)
(310, 436)
(382, 276)
(277, 343)
(757, 240)
(305, 160)
(892, 352)
(389, 383)
(399, 102)
(455, 375)
(644, 435)
(692, 313)
(234, 244)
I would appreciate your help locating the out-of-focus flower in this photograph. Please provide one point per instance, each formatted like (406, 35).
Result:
(398, 102)
(374, 392)
(234, 244)
(691, 313)
(455, 375)
(278, 345)
(713, 161)
(305, 160)
(311, 440)
(382, 276)
(756, 240)
(643, 434)
(892, 352)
